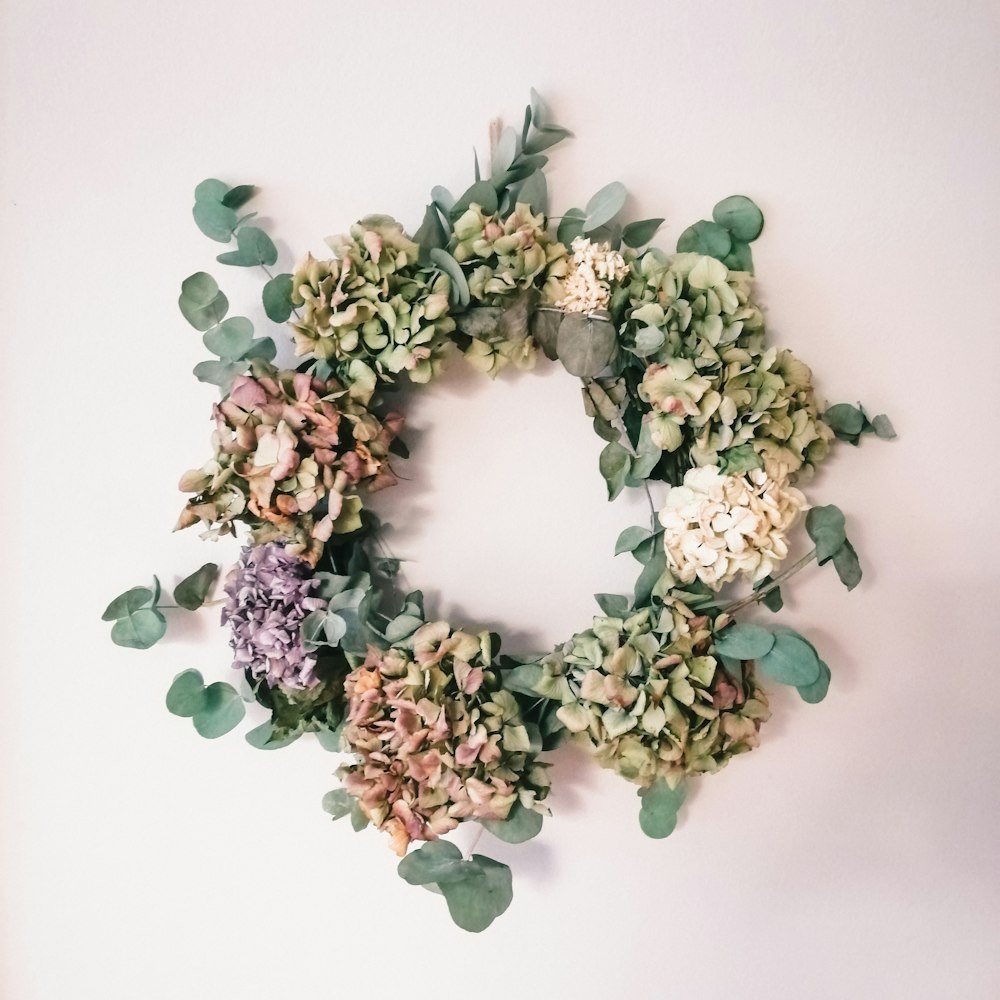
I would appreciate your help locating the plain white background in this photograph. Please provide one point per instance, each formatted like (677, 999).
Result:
(855, 854)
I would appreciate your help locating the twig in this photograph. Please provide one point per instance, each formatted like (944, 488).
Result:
(759, 595)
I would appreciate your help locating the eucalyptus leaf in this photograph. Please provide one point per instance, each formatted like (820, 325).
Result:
(200, 302)
(253, 247)
(534, 192)
(845, 419)
(186, 694)
(475, 901)
(604, 206)
(435, 861)
(570, 225)
(613, 605)
(585, 345)
(883, 428)
(262, 347)
(638, 234)
(708, 238)
(816, 692)
(739, 258)
(847, 565)
(458, 292)
(222, 711)
(524, 678)
(338, 803)
(744, 641)
(215, 220)
(220, 373)
(139, 630)
(125, 604)
(277, 298)
(826, 527)
(231, 339)
(791, 660)
(660, 806)
(631, 538)
(263, 737)
(520, 825)
(482, 193)
(648, 341)
(191, 592)
(740, 216)
(211, 189)
(650, 576)
(614, 465)
(238, 196)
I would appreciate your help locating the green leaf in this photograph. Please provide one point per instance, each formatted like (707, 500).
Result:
(630, 538)
(742, 458)
(338, 803)
(638, 234)
(613, 605)
(825, 526)
(253, 247)
(436, 861)
(222, 711)
(649, 577)
(211, 190)
(140, 630)
(660, 806)
(772, 600)
(845, 562)
(125, 604)
(231, 339)
(745, 642)
(791, 660)
(201, 303)
(458, 291)
(740, 216)
(816, 692)
(432, 233)
(604, 206)
(614, 464)
(215, 220)
(262, 737)
(708, 238)
(523, 678)
(482, 193)
(238, 196)
(475, 901)
(358, 818)
(535, 193)
(571, 225)
(585, 345)
(186, 694)
(883, 428)
(220, 373)
(277, 297)
(739, 258)
(844, 419)
(262, 347)
(191, 592)
(520, 825)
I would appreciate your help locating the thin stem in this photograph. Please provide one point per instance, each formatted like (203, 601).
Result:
(759, 595)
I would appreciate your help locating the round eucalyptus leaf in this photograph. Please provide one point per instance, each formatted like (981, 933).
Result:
(827, 528)
(215, 220)
(791, 660)
(475, 901)
(816, 692)
(186, 694)
(140, 630)
(338, 802)
(745, 642)
(125, 604)
(277, 298)
(707, 238)
(660, 806)
(604, 206)
(222, 711)
(230, 339)
(740, 216)
(436, 861)
(211, 190)
(520, 825)
(585, 345)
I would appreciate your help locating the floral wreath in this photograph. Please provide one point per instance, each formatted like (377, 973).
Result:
(679, 380)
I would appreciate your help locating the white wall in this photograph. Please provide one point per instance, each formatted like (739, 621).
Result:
(855, 854)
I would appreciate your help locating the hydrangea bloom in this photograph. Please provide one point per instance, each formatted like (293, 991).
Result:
(593, 268)
(290, 453)
(373, 304)
(269, 593)
(718, 527)
(652, 701)
(437, 740)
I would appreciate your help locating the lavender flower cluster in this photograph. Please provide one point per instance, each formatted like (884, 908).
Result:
(270, 592)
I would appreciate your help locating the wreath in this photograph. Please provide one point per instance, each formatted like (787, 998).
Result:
(438, 726)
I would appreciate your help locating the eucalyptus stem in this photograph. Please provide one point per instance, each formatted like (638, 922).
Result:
(759, 595)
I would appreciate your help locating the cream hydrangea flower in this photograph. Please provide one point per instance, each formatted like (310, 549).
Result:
(593, 269)
(718, 527)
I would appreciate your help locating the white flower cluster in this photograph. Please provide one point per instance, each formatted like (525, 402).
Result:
(593, 267)
(718, 527)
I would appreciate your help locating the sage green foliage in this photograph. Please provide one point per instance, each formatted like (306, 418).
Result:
(520, 825)
(660, 806)
(781, 654)
(737, 222)
(191, 592)
(340, 623)
(477, 890)
(851, 423)
(826, 527)
(215, 205)
(214, 710)
(138, 622)
(277, 298)
(253, 249)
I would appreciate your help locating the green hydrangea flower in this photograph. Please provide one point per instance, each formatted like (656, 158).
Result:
(652, 701)
(711, 384)
(373, 303)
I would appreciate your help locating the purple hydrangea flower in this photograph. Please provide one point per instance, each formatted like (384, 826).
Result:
(269, 593)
